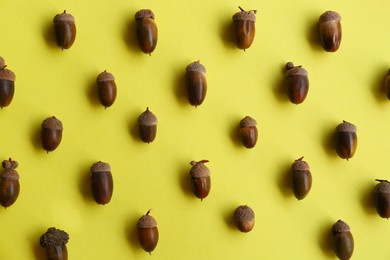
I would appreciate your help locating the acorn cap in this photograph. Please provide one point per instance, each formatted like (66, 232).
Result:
(105, 76)
(144, 13)
(7, 74)
(53, 238)
(100, 167)
(346, 127)
(300, 165)
(247, 122)
(9, 169)
(147, 221)
(52, 123)
(295, 70)
(383, 186)
(244, 213)
(340, 226)
(245, 15)
(63, 17)
(330, 16)
(147, 118)
(196, 66)
(199, 170)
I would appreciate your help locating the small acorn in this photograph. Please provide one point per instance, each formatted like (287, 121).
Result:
(245, 218)
(244, 28)
(51, 133)
(101, 182)
(200, 179)
(65, 30)
(296, 83)
(9, 183)
(54, 241)
(342, 240)
(196, 83)
(346, 140)
(301, 178)
(146, 30)
(382, 198)
(147, 232)
(147, 123)
(7, 84)
(248, 132)
(330, 31)
(106, 88)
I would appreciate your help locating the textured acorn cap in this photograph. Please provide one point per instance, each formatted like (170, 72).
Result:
(147, 118)
(245, 15)
(340, 226)
(63, 17)
(9, 169)
(105, 76)
(52, 123)
(300, 165)
(383, 186)
(244, 213)
(100, 167)
(329, 16)
(146, 221)
(247, 122)
(7, 74)
(53, 238)
(346, 127)
(144, 13)
(199, 170)
(196, 66)
(295, 70)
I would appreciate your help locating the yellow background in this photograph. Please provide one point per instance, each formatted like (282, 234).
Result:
(346, 85)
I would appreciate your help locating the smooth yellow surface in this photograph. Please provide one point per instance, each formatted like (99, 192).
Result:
(346, 85)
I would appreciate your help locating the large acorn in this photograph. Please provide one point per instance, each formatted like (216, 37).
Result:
(330, 31)
(346, 140)
(101, 182)
(7, 84)
(51, 133)
(196, 83)
(296, 83)
(54, 241)
(146, 30)
(9, 183)
(248, 132)
(244, 28)
(65, 30)
(147, 232)
(147, 123)
(342, 240)
(382, 198)
(106, 88)
(301, 178)
(200, 179)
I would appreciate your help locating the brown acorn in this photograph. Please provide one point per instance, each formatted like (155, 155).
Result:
(9, 183)
(200, 179)
(65, 30)
(296, 83)
(342, 240)
(51, 133)
(245, 218)
(244, 28)
(54, 241)
(106, 88)
(101, 182)
(196, 83)
(147, 232)
(301, 178)
(248, 132)
(382, 198)
(146, 30)
(147, 123)
(7, 84)
(346, 140)
(330, 31)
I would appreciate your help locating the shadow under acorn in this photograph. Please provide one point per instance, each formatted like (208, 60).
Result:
(92, 91)
(234, 132)
(39, 252)
(328, 141)
(35, 137)
(129, 35)
(367, 199)
(313, 34)
(227, 33)
(131, 233)
(180, 86)
(325, 239)
(228, 216)
(279, 90)
(184, 179)
(84, 182)
(378, 87)
(285, 179)
(49, 34)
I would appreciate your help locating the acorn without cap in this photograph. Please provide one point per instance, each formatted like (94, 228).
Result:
(200, 179)
(106, 88)
(301, 178)
(147, 123)
(245, 218)
(330, 31)
(54, 241)
(346, 140)
(196, 83)
(7, 84)
(342, 240)
(51, 133)
(248, 132)
(101, 182)
(146, 30)
(382, 198)
(9, 183)
(296, 83)
(244, 28)
(65, 30)
(147, 232)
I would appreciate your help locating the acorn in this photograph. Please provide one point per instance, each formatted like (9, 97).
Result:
(65, 30)
(9, 183)
(382, 198)
(7, 84)
(245, 218)
(248, 132)
(296, 83)
(146, 30)
(147, 123)
(342, 240)
(196, 83)
(106, 88)
(244, 28)
(346, 140)
(147, 232)
(330, 31)
(54, 241)
(51, 133)
(301, 178)
(101, 182)
(200, 179)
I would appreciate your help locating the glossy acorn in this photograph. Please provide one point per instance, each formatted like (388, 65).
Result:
(244, 28)
(245, 218)
(7, 84)
(146, 30)
(296, 83)
(54, 241)
(200, 179)
(106, 88)
(330, 31)
(248, 132)
(342, 240)
(147, 232)
(9, 183)
(346, 140)
(301, 178)
(102, 184)
(65, 30)
(196, 83)
(382, 198)
(51, 133)
(147, 123)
